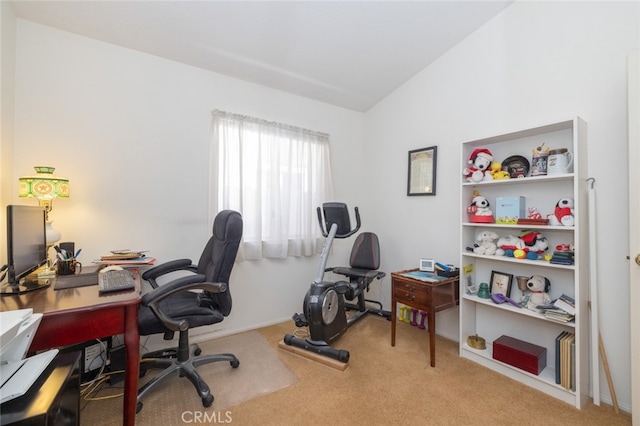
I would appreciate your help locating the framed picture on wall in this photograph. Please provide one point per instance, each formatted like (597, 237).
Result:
(421, 178)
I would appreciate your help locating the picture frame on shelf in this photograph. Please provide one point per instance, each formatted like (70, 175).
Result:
(501, 283)
(421, 177)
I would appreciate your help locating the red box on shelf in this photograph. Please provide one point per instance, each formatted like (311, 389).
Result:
(518, 353)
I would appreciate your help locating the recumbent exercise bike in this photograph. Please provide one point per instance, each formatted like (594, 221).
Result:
(324, 306)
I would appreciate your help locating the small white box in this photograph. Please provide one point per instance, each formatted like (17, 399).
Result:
(509, 210)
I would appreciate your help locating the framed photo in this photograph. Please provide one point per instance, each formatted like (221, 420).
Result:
(501, 283)
(422, 171)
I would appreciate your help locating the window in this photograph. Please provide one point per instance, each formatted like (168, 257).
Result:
(276, 176)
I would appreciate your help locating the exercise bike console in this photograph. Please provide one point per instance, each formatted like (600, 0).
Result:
(324, 306)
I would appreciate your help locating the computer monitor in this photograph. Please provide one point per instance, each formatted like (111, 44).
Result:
(26, 248)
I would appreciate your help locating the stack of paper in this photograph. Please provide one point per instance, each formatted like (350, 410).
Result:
(125, 257)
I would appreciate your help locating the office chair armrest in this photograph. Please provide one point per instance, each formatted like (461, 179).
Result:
(194, 282)
(172, 266)
(172, 287)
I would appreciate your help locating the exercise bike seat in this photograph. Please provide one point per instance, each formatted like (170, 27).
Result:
(364, 263)
(357, 273)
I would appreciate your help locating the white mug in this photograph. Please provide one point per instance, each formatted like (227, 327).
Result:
(560, 161)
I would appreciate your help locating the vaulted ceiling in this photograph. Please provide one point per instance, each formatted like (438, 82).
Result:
(347, 53)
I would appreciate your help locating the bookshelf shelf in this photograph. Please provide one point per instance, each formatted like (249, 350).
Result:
(517, 311)
(489, 320)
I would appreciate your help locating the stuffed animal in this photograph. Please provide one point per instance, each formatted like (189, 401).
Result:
(534, 213)
(487, 243)
(563, 213)
(480, 206)
(511, 242)
(529, 245)
(535, 244)
(480, 164)
(497, 172)
(538, 288)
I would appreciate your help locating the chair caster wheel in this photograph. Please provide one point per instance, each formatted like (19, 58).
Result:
(197, 351)
(235, 363)
(138, 407)
(207, 401)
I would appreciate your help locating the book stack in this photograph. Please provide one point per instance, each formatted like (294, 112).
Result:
(563, 309)
(565, 360)
(558, 315)
(126, 257)
(562, 255)
(566, 303)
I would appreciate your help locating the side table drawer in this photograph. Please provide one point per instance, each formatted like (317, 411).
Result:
(411, 294)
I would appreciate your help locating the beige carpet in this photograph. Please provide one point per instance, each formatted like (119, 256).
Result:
(383, 385)
(176, 402)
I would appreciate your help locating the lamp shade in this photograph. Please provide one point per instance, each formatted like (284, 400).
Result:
(43, 185)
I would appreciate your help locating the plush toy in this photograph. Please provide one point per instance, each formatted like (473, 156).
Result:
(563, 213)
(534, 213)
(487, 244)
(511, 242)
(497, 172)
(480, 164)
(535, 244)
(538, 288)
(529, 245)
(481, 205)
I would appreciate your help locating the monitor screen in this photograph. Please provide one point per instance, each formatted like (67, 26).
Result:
(26, 241)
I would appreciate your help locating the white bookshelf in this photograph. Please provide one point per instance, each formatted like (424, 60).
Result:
(489, 320)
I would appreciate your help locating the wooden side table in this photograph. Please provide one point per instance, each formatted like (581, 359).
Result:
(428, 296)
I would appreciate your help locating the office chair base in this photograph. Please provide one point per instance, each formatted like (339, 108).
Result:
(169, 353)
(172, 366)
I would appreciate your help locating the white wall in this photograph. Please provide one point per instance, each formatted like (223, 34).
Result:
(131, 132)
(7, 75)
(536, 63)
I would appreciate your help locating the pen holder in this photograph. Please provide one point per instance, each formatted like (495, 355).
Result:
(68, 267)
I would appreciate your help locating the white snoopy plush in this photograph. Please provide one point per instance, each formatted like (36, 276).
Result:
(481, 203)
(487, 243)
(538, 288)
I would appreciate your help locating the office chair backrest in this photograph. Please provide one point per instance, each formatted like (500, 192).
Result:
(365, 253)
(219, 255)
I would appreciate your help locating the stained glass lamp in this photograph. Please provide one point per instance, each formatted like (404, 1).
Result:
(45, 187)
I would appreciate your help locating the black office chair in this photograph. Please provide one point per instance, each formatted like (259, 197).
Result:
(172, 306)
(362, 270)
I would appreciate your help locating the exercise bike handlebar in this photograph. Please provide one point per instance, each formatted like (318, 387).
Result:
(333, 233)
(325, 231)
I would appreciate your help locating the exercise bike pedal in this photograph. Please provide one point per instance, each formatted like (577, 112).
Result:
(300, 320)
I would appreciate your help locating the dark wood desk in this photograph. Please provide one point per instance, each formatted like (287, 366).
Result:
(81, 314)
(430, 297)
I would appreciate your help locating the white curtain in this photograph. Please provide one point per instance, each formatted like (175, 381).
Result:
(275, 175)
